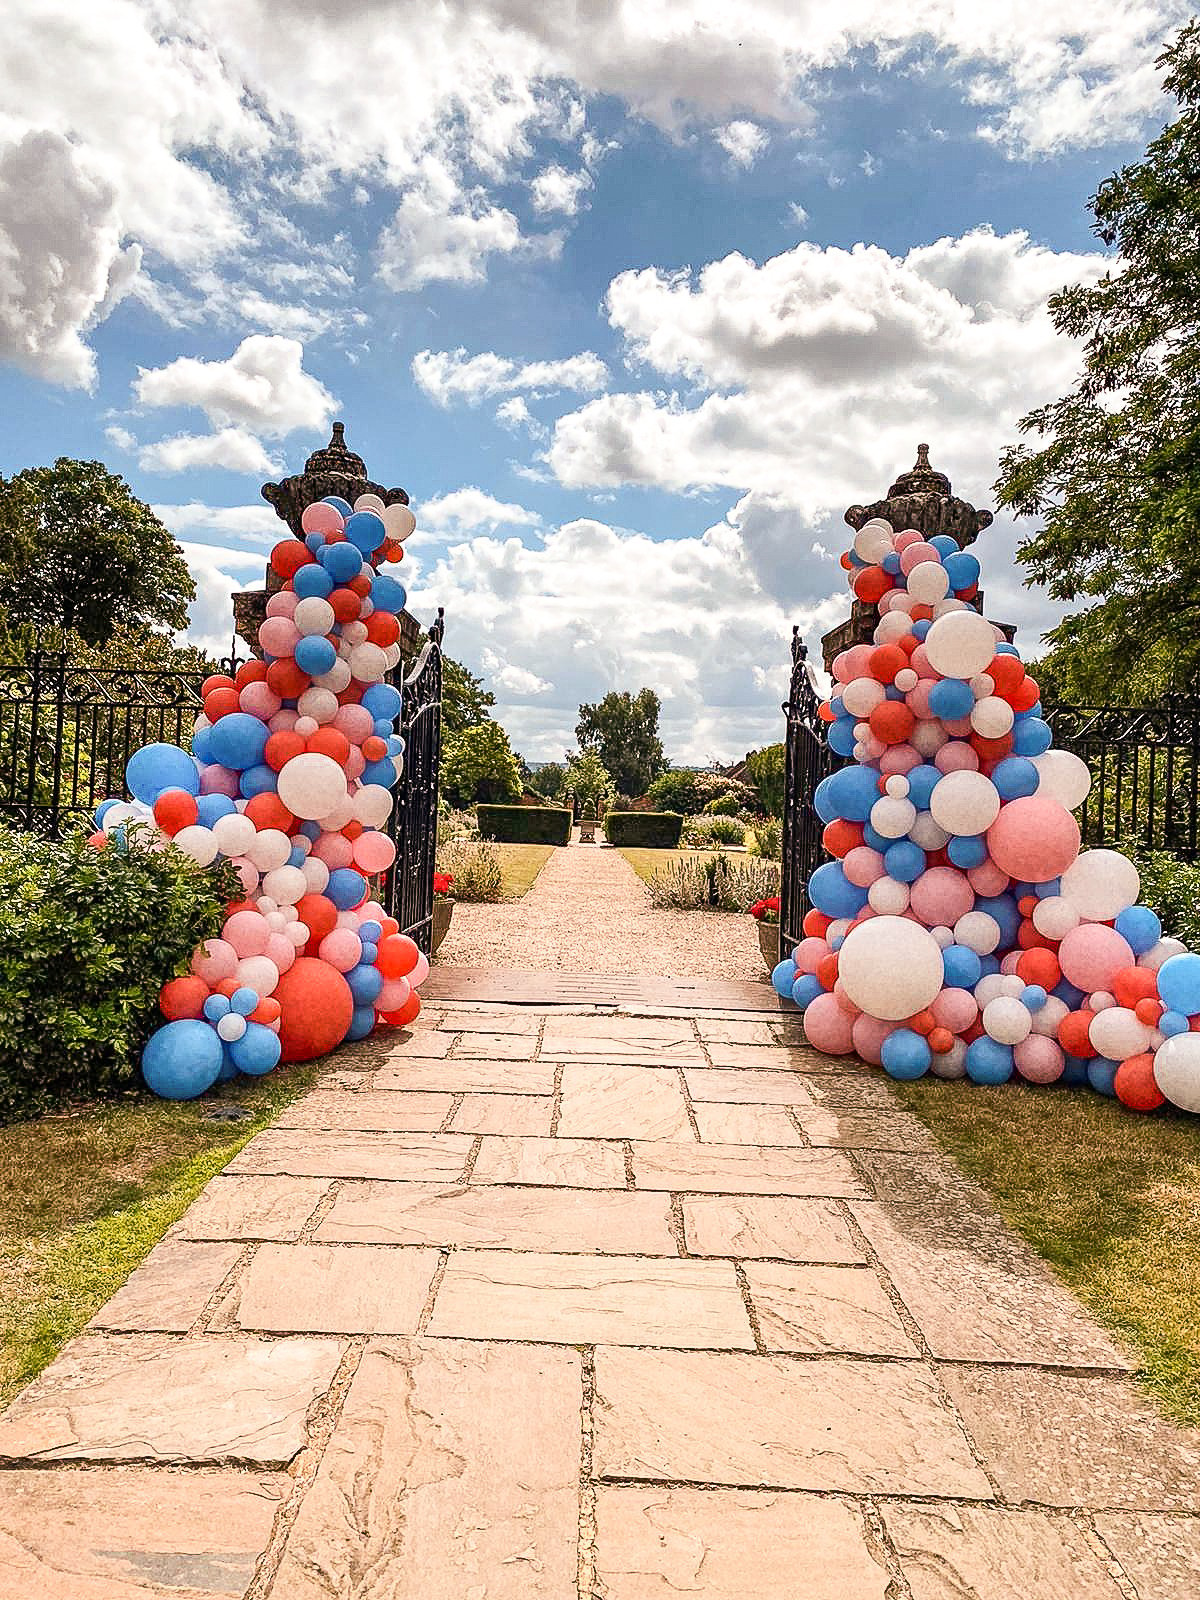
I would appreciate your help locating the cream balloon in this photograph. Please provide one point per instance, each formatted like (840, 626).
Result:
(399, 522)
(1100, 884)
(890, 968)
(960, 644)
(873, 541)
(311, 785)
(964, 802)
(1177, 1070)
(1063, 777)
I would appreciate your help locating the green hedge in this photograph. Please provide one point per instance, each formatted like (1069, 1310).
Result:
(645, 830)
(87, 939)
(524, 824)
(1171, 888)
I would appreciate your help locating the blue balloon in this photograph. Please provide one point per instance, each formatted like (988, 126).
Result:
(967, 850)
(381, 772)
(904, 860)
(1139, 927)
(370, 932)
(365, 984)
(989, 1061)
(831, 891)
(961, 966)
(382, 728)
(238, 740)
(963, 569)
(338, 504)
(182, 1059)
(365, 530)
(361, 1022)
(229, 1069)
(875, 840)
(341, 561)
(1102, 1074)
(156, 767)
(906, 1055)
(951, 699)
(202, 745)
(315, 655)
(988, 965)
(945, 544)
(1171, 1023)
(258, 780)
(216, 1007)
(1068, 994)
(243, 1001)
(257, 1051)
(387, 594)
(1033, 997)
(1002, 907)
(783, 975)
(1045, 891)
(213, 806)
(849, 792)
(310, 830)
(315, 542)
(395, 744)
(313, 582)
(1031, 737)
(383, 700)
(1179, 984)
(1008, 650)
(922, 781)
(345, 888)
(1075, 1072)
(297, 858)
(102, 811)
(370, 951)
(840, 737)
(921, 629)
(1015, 777)
(805, 989)
(890, 564)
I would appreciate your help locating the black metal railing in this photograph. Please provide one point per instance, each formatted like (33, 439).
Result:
(408, 888)
(808, 759)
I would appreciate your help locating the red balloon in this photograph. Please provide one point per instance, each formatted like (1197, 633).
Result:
(398, 955)
(1006, 672)
(217, 681)
(815, 924)
(1039, 966)
(1134, 984)
(839, 836)
(1135, 1087)
(175, 809)
(183, 997)
(891, 721)
(408, 1012)
(1025, 696)
(871, 584)
(289, 555)
(287, 679)
(266, 1011)
(250, 672)
(382, 629)
(268, 811)
(318, 914)
(1073, 1034)
(885, 661)
(281, 747)
(315, 1009)
(331, 742)
(221, 701)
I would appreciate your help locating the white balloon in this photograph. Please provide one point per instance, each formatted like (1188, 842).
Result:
(1006, 1020)
(873, 541)
(1054, 917)
(372, 805)
(258, 973)
(893, 818)
(1099, 884)
(950, 1063)
(1063, 777)
(861, 695)
(891, 626)
(370, 502)
(906, 679)
(944, 937)
(927, 833)
(392, 655)
(1101, 1000)
(197, 842)
(399, 522)
(367, 663)
(316, 874)
(991, 717)
(890, 968)
(978, 931)
(314, 615)
(319, 704)
(270, 848)
(231, 1027)
(337, 678)
(928, 737)
(285, 885)
(234, 834)
(1048, 1016)
(1118, 1034)
(1158, 953)
(990, 987)
(310, 785)
(896, 786)
(1011, 985)
(964, 802)
(122, 811)
(960, 644)
(888, 896)
(928, 582)
(1177, 1070)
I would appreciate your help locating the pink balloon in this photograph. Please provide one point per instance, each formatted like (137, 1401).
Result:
(863, 866)
(809, 954)
(279, 636)
(247, 872)
(917, 700)
(281, 950)
(341, 949)
(845, 1002)
(258, 973)
(852, 663)
(919, 661)
(898, 758)
(420, 972)
(987, 878)
(955, 1009)
(1008, 963)
(393, 995)
(827, 1027)
(956, 756)
(247, 932)
(1091, 956)
(356, 722)
(1039, 1059)
(373, 852)
(320, 517)
(259, 700)
(283, 604)
(913, 554)
(355, 763)
(1034, 838)
(957, 727)
(940, 896)
(215, 779)
(867, 1035)
(214, 961)
(907, 537)
(284, 721)
(334, 849)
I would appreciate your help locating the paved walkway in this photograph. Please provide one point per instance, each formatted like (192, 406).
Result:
(562, 1305)
(588, 911)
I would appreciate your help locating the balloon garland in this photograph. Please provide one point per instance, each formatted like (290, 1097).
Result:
(290, 775)
(959, 928)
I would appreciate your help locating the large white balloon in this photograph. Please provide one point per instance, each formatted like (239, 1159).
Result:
(960, 644)
(1062, 776)
(1099, 884)
(890, 968)
(311, 785)
(399, 522)
(234, 834)
(197, 842)
(1161, 952)
(1117, 1033)
(1054, 917)
(873, 541)
(1006, 1020)
(861, 695)
(928, 582)
(314, 615)
(1177, 1070)
(269, 849)
(964, 802)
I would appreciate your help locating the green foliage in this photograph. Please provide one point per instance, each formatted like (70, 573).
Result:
(465, 702)
(691, 792)
(587, 777)
(1171, 888)
(524, 824)
(476, 868)
(713, 830)
(549, 781)
(478, 764)
(765, 770)
(622, 730)
(80, 553)
(1116, 477)
(716, 883)
(725, 805)
(87, 939)
(768, 840)
(647, 830)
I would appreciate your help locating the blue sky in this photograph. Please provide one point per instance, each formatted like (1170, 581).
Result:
(633, 300)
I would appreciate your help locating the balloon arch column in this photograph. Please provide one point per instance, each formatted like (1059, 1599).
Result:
(957, 927)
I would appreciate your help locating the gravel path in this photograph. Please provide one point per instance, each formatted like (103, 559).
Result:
(589, 911)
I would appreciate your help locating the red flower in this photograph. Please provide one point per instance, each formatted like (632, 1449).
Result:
(442, 882)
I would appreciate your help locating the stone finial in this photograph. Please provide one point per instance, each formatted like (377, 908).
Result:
(923, 499)
(336, 469)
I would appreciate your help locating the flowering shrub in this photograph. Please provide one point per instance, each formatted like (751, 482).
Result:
(766, 910)
(717, 883)
(443, 882)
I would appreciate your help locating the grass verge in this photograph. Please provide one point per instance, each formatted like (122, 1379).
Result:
(85, 1195)
(646, 862)
(1111, 1199)
(520, 865)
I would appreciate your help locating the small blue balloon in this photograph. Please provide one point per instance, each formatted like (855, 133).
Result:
(988, 965)
(921, 629)
(1033, 997)
(381, 772)
(338, 504)
(1171, 1023)
(102, 811)
(297, 858)
(905, 1054)
(387, 594)
(967, 850)
(310, 830)
(1008, 650)
(922, 781)
(945, 545)
(1102, 1075)
(805, 989)
(365, 984)
(362, 1022)
(891, 564)
(216, 1007)
(395, 744)
(314, 541)
(243, 1001)
(257, 1051)
(1031, 737)
(342, 561)
(831, 891)
(370, 951)
(1068, 994)
(963, 569)
(988, 1061)
(1139, 927)
(951, 699)
(315, 655)
(839, 736)
(314, 582)
(962, 967)
(1015, 777)
(258, 780)
(370, 932)
(365, 530)
(783, 975)
(238, 741)
(1047, 890)
(211, 807)
(875, 840)
(904, 861)
(156, 767)
(1179, 984)
(229, 1069)
(383, 701)
(345, 888)
(182, 1059)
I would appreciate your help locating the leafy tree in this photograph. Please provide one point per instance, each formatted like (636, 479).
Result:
(478, 764)
(588, 777)
(465, 702)
(549, 780)
(80, 553)
(765, 770)
(622, 729)
(1116, 478)
(690, 792)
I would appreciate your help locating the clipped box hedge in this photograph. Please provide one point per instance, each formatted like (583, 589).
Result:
(645, 830)
(524, 824)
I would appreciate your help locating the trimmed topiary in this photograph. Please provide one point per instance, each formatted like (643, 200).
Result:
(524, 824)
(645, 830)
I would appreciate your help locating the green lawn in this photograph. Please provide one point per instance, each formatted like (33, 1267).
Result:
(85, 1195)
(521, 864)
(1110, 1198)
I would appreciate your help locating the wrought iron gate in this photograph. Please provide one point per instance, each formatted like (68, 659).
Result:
(408, 891)
(808, 760)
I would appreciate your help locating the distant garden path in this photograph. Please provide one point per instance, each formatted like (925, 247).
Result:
(588, 911)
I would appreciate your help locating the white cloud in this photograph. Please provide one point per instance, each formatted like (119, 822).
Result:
(231, 448)
(262, 386)
(797, 213)
(468, 510)
(743, 142)
(120, 437)
(515, 415)
(442, 233)
(453, 375)
(556, 189)
(257, 524)
(518, 682)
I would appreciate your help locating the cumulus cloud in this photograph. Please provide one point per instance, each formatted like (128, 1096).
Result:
(256, 524)
(556, 189)
(443, 233)
(262, 386)
(233, 449)
(465, 511)
(453, 375)
(743, 142)
(515, 415)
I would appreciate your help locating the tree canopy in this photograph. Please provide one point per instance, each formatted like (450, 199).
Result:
(587, 777)
(1116, 476)
(548, 780)
(79, 553)
(478, 764)
(622, 730)
(765, 772)
(465, 702)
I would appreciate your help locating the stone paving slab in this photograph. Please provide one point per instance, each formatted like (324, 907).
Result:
(1161, 1554)
(453, 1473)
(733, 1030)
(976, 1291)
(428, 1157)
(478, 1077)
(825, 1310)
(562, 1163)
(460, 1019)
(618, 1222)
(776, 1422)
(866, 1130)
(433, 1043)
(251, 1208)
(768, 1058)
(369, 1111)
(1063, 1439)
(725, 1123)
(730, 1544)
(496, 1047)
(948, 1551)
(147, 1397)
(745, 1086)
(170, 1289)
(129, 1534)
(619, 1101)
(492, 1294)
(312, 1288)
(768, 1226)
(526, 1114)
(743, 1169)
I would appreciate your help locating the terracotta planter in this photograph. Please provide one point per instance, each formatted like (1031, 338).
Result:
(443, 911)
(768, 943)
